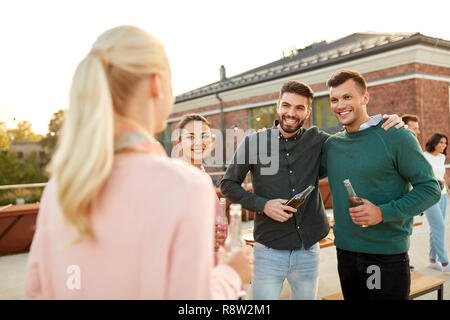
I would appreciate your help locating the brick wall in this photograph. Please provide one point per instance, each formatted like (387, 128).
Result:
(429, 99)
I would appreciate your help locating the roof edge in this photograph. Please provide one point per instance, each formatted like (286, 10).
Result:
(414, 39)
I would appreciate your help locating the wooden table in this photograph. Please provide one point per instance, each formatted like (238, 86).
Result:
(420, 284)
(326, 242)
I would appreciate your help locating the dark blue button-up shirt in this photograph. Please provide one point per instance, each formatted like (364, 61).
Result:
(294, 164)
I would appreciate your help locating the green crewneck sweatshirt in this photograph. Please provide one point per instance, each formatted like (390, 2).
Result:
(382, 166)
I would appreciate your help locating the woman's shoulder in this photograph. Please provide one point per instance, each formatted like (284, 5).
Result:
(156, 168)
(439, 157)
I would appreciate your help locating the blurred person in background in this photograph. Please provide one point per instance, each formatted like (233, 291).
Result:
(412, 121)
(118, 218)
(436, 150)
(195, 141)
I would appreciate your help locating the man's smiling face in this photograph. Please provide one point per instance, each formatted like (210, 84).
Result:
(348, 103)
(292, 109)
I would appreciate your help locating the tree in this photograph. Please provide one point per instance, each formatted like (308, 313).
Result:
(9, 168)
(30, 171)
(19, 171)
(4, 137)
(16, 171)
(23, 132)
(49, 142)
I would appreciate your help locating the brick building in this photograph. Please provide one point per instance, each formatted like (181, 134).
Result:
(406, 73)
(23, 148)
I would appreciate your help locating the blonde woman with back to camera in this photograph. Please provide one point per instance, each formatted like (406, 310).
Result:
(118, 218)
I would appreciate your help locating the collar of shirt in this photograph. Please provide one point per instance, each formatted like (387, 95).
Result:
(374, 120)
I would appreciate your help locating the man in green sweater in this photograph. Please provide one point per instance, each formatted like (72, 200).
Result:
(373, 261)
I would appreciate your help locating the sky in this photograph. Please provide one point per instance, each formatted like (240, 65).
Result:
(43, 41)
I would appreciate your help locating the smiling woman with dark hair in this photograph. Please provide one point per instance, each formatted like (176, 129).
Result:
(437, 144)
(436, 149)
(196, 140)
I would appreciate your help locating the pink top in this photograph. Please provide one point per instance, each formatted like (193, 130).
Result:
(153, 232)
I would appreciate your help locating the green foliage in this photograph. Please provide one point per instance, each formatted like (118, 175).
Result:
(50, 141)
(15, 171)
(23, 132)
(9, 168)
(27, 170)
(4, 138)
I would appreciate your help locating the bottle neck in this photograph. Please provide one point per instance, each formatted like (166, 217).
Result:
(235, 226)
(224, 209)
(350, 191)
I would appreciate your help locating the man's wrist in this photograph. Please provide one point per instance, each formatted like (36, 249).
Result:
(260, 204)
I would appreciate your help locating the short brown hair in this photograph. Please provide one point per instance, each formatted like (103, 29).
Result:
(343, 75)
(410, 117)
(297, 87)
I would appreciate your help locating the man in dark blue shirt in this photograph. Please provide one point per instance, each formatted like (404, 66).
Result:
(286, 239)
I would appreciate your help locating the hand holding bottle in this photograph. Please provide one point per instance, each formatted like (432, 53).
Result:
(237, 255)
(366, 214)
(241, 261)
(219, 239)
(278, 211)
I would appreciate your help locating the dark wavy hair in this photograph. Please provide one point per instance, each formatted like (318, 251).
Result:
(434, 140)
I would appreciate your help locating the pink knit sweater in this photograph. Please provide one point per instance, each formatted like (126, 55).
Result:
(153, 231)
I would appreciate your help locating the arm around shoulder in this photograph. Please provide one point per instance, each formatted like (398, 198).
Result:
(413, 167)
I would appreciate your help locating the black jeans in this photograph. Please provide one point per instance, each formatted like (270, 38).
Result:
(365, 276)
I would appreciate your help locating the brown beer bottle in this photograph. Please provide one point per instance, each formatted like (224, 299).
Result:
(297, 200)
(353, 199)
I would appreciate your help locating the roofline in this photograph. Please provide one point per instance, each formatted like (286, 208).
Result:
(415, 39)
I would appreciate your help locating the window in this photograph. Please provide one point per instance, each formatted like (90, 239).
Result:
(322, 116)
(262, 117)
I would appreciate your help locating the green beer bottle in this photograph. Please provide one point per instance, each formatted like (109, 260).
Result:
(353, 199)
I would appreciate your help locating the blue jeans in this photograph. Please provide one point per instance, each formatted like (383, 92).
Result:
(436, 219)
(272, 267)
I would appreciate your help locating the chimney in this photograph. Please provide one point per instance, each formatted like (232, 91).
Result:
(223, 75)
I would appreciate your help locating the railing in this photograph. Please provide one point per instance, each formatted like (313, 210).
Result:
(25, 185)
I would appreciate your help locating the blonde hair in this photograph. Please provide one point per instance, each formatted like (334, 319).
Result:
(102, 82)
